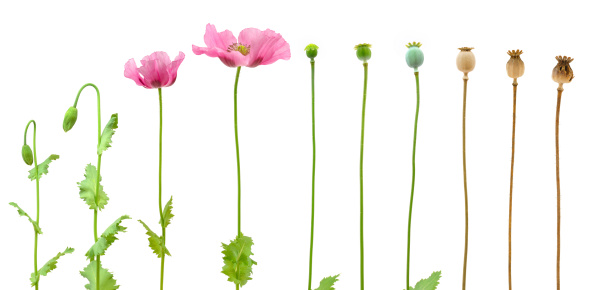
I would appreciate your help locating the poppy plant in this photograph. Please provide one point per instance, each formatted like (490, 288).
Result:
(252, 48)
(157, 72)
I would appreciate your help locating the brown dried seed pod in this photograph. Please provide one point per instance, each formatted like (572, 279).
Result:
(466, 60)
(562, 73)
(515, 66)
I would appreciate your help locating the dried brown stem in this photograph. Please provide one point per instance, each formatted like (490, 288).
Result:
(560, 89)
(511, 179)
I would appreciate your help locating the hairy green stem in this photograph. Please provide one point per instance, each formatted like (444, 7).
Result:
(362, 276)
(412, 187)
(37, 190)
(160, 193)
(236, 138)
(313, 179)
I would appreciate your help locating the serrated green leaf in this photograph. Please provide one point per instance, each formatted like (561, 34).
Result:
(328, 283)
(43, 167)
(167, 213)
(88, 189)
(21, 212)
(108, 133)
(429, 283)
(107, 238)
(237, 261)
(49, 266)
(106, 281)
(156, 242)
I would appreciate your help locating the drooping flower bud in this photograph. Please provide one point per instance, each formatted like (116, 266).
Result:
(414, 55)
(363, 51)
(562, 73)
(466, 60)
(311, 51)
(515, 66)
(27, 154)
(70, 118)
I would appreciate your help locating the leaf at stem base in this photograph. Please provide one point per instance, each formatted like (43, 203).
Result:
(237, 261)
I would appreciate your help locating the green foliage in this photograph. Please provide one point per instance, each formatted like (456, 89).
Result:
(107, 238)
(156, 242)
(167, 213)
(108, 133)
(328, 283)
(429, 283)
(237, 261)
(106, 281)
(42, 167)
(49, 266)
(21, 212)
(88, 189)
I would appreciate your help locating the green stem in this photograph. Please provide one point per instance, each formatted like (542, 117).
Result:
(160, 193)
(361, 177)
(236, 138)
(412, 187)
(313, 178)
(99, 127)
(37, 189)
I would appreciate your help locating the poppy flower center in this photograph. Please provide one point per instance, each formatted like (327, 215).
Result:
(239, 47)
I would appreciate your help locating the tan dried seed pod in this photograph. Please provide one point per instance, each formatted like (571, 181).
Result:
(515, 66)
(562, 73)
(466, 60)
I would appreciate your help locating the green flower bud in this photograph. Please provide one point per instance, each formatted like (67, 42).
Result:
(414, 55)
(311, 50)
(27, 154)
(70, 118)
(363, 51)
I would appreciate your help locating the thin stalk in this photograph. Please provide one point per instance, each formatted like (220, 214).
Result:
(511, 179)
(465, 182)
(160, 192)
(313, 178)
(37, 190)
(412, 188)
(362, 276)
(236, 138)
(560, 89)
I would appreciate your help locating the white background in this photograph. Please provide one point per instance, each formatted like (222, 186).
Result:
(52, 48)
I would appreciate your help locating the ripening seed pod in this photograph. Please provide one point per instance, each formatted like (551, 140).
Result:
(27, 154)
(311, 50)
(70, 118)
(515, 66)
(363, 51)
(466, 60)
(562, 73)
(414, 55)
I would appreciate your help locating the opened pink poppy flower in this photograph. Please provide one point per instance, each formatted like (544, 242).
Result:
(253, 47)
(157, 71)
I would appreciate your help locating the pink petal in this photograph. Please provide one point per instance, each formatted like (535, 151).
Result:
(174, 66)
(231, 59)
(218, 40)
(266, 47)
(148, 71)
(131, 72)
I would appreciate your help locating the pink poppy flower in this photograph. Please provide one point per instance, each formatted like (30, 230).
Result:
(253, 48)
(157, 71)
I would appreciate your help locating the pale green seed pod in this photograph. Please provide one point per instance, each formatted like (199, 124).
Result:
(414, 55)
(311, 51)
(363, 51)
(27, 154)
(70, 118)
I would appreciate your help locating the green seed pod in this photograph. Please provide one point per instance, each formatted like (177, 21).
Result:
(414, 55)
(311, 50)
(70, 118)
(27, 154)
(363, 51)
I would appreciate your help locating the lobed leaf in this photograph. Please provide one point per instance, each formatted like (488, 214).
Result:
(43, 167)
(106, 281)
(21, 212)
(107, 134)
(88, 189)
(107, 238)
(49, 266)
(237, 261)
(167, 213)
(156, 242)
(328, 282)
(429, 283)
